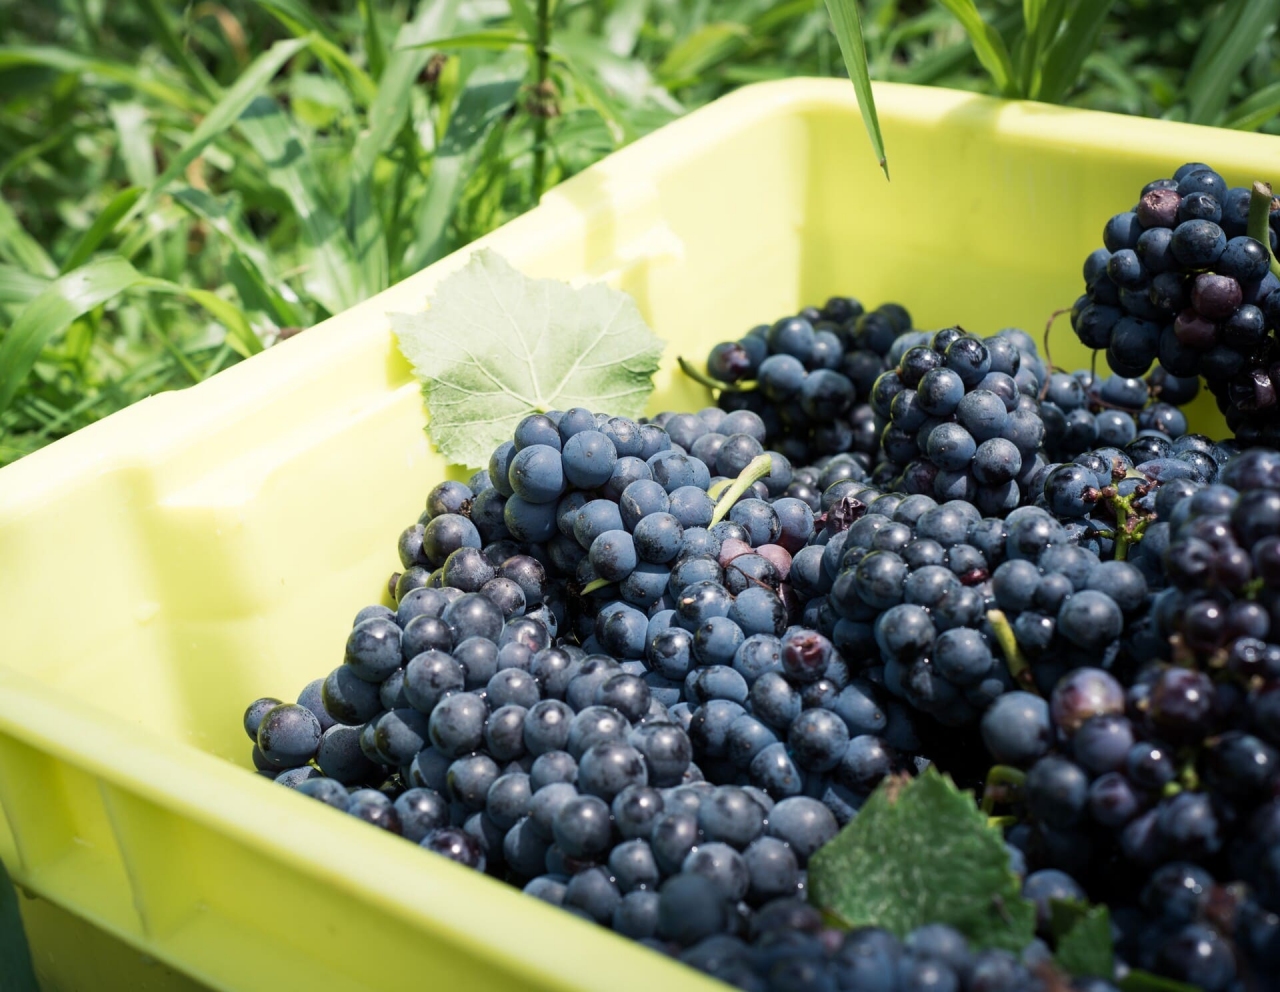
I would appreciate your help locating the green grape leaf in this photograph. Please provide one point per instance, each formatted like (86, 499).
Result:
(1083, 939)
(495, 346)
(920, 851)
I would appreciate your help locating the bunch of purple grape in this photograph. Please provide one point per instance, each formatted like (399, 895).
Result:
(1181, 280)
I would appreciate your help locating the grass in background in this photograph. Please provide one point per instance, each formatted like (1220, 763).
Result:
(182, 186)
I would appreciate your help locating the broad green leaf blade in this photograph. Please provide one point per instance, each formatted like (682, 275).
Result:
(1062, 64)
(390, 107)
(101, 228)
(848, 27)
(333, 277)
(18, 285)
(61, 60)
(17, 975)
(1083, 940)
(19, 247)
(987, 44)
(710, 45)
(135, 136)
(63, 300)
(1254, 111)
(495, 346)
(1210, 89)
(485, 97)
(228, 110)
(920, 851)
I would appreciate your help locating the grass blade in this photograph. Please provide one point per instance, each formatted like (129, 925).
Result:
(706, 47)
(158, 16)
(1066, 56)
(256, 294)
(367, 237)
(594, 95)
(493, 40)
(49, 57)
(223, 216)
(374, 48)
(20, 248)
(134, 141)
(987, 43)
(299, 19)
(101, 228)
(848, 26)
(1208, 90)
(228, 110)
(522, 14)
(488, 92)
(62, 301)
(1250, 114)
(332, 278)
(390, 107)
(18, 285)
(240, 335)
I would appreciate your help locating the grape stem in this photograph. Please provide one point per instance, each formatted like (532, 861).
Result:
(997, 776)
(756, 469)
(1019, 667)
(691, 370)
(1260, 201)
(594, 585)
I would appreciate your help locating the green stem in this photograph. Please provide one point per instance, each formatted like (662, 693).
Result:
(1019, 667)
(691, 370)
(756, 469)
(594, 585)
(1259, 220)
(542, 59)
(1000, 775)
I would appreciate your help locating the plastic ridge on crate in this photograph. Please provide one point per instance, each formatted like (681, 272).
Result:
(203, 548)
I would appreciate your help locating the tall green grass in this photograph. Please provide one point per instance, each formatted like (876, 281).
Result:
(181, 186)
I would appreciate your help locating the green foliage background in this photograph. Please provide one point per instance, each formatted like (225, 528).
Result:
(230, 171)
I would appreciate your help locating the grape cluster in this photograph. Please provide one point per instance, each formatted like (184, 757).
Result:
(1081, 412)
(789, 947)
(961, 416)
(813, 374)
(645, 670)
(1180, 280)
(681, 750)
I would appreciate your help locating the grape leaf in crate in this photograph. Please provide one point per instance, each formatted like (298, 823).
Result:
(919, 851)
(495, 346)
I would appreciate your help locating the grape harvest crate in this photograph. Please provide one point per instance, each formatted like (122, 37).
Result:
(203, 548)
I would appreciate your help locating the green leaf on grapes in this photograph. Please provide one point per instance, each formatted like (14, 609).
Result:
(919, 851)
(495, 346)
(1083, 938)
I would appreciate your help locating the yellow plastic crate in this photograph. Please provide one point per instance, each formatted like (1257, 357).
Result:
(160, 569)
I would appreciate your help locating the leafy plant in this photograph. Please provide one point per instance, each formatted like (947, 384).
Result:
(496, 346)
(271, 162)
(919, 851)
